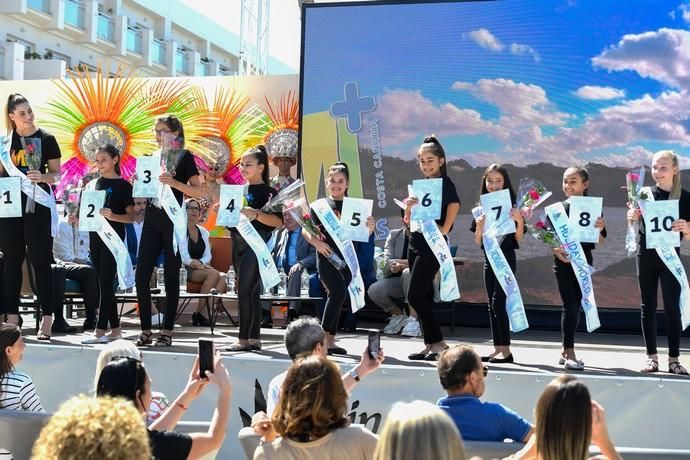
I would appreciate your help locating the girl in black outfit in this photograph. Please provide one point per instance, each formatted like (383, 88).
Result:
(254, 170)
(32, 231)
(496, 178)
(422, 261)
(157, 236)
(575, 183)
(336, 281)
(118, 210)
(651, 270)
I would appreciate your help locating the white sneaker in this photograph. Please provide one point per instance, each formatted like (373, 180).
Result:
(93, 340)
(396, 323)
(412, 328)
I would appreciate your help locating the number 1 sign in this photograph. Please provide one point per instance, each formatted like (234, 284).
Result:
(584, 211)
(231, 202)
(658, 218)
(10, 197)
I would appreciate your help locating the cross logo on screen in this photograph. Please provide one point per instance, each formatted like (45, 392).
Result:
(352, 107)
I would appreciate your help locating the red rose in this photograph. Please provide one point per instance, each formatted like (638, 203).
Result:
(534, 195)
(634, 177)
(30, 148)
(540, 225)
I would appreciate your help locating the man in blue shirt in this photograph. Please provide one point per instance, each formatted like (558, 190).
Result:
(462, 374)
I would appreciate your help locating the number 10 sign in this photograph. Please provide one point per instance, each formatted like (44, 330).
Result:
(658, 218)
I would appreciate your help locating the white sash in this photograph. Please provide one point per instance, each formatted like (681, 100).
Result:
(332, 225)
(29, 188)
(267, 267)
(578, 262)
(449, 280)
(178, 217)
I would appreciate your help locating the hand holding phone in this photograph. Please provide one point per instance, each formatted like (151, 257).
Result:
(374, 344)
(206, 356)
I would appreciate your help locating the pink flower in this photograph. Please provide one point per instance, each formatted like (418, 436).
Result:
(540, 225)
(634, 177)
(306, 217)
(30, 148)
(534, 194)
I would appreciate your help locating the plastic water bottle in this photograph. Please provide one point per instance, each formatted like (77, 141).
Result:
(230, 280)
(281, 285)
(183, 279)
(160, 278)
(304, 284)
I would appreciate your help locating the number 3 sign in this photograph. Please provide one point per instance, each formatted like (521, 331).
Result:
(148, 170)
(10, 197)
(353, 218)
(658, 218)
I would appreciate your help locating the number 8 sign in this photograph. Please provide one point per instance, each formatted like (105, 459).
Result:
(353, 218)
(10, 197)
(658, 218)
(231, 202)
(429, 193)
(584, 211)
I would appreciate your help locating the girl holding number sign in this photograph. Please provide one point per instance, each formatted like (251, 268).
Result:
(496, 178)
(157, 236)
(254, 169)
(35, 153)
(652, 271)
(422, 261)
(575, 183)
(118, 209)
(336, 281)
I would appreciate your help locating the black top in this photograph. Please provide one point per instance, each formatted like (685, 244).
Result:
(683, 211)
(169, 445)
(450, 195)
(509, 242)
(587, 248)
(118, 195)
(50, 150)
(196, 248)
(337, 207)
(257, 196)
(185, 170)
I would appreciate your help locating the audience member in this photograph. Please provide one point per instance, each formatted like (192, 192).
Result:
(17, 390)
(87, 428)
(133, 230)
(462, 375)
(311, 417)
(419, 430)
(568, 421)
(125, 349)
(127, 377)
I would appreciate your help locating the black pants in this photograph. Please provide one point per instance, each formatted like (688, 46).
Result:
(248, 286)
(106, 268)
(87, 278)
(571, 296)
(157, 236)
(498, 315)
(336, 283)
(21, 236)
(650, 271)
(423, 268)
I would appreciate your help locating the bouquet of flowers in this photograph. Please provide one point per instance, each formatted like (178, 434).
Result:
(542, 230)
(171, 153)
(531, 194)
(33, 157)
(72, 196)
(634, 180)
(285, 198)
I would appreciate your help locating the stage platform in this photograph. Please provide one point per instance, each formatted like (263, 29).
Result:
(644, 411)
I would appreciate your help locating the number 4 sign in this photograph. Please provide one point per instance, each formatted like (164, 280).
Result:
(353, 218)
(10, 197)
(584, 211)
(231, 202)
(658, 218)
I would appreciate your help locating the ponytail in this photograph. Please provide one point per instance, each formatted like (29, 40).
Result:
(342, 168)
(261, 154)
(13, 101)
(432, 145)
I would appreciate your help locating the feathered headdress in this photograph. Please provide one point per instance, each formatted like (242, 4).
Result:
(281, 135)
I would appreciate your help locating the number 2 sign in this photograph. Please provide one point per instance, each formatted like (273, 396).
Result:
(89, 210)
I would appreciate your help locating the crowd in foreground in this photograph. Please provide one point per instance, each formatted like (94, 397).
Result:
(306, 410)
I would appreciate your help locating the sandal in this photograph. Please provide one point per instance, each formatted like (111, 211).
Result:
(675, 367)
(42, 336)
(163, 340)
(143, 339)
(652, 365)
(237, 346)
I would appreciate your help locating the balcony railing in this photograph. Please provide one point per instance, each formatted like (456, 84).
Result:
(181, 60)
(39, 5)
(74, 14)
(158, 52)
(106, 28)
(134, 40)
(205, 69)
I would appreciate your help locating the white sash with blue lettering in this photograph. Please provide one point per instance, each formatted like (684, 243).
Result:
(670, 258)
(449, 280)
(332, 225)
(178, 217)
(505, 276)
(125, 272)
(41, 196)
(267, 267)
(578, 261)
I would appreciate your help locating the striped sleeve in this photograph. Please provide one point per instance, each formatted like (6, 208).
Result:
(28, 396)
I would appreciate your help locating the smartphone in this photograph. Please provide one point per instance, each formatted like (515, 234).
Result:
(205, 357)
(374, 344)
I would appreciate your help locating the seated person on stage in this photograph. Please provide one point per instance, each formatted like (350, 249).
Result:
(199, 270)
(73, 262)
(462, 374)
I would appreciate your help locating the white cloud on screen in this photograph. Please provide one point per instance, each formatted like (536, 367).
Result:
(487, 40)
(599, 93)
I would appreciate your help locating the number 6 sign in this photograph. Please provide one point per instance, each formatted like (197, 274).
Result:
(353, 218)
(231, 202)
(10, 197)
(89, 210)
(429, 193)
(658, 218)
(584, 211)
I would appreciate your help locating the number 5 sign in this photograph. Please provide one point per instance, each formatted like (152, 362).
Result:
(231, 202)
(658, 218)
(89, 210)
(10, 197)
(584, 211)
(429, 193)
(353, 218)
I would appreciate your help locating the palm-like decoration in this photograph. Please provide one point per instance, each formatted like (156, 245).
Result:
(281, 131)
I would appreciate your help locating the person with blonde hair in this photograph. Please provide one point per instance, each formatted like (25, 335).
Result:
(419, 430)
(84, 428)
(311, 417)
(568, 421)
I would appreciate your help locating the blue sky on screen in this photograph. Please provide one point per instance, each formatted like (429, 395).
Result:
(520, 81)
